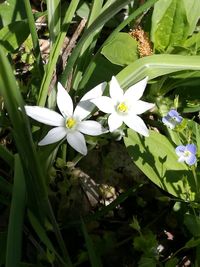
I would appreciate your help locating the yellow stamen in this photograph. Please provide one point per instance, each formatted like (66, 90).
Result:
(70, 123)
(187, 153)
(122, 107)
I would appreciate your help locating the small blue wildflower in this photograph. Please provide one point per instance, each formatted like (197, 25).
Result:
(187, 154)
(172, 119)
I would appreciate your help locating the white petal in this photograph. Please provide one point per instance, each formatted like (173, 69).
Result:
(53, 136)
(77, 141)
(97, 91)
(114, 121)
(64, 101)
(116, 91)
(105, 104)
(44, 115)
(140, 107)
(136, 91)
(90, 127)
(85, 106)
(181, 159)
(137, 124)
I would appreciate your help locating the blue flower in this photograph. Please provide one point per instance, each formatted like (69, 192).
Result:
(172, 119)
(187, 154)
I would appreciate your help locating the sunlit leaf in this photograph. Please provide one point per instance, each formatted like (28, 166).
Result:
(121, 50)
(13, 35)
(11, 11)
(157, 159)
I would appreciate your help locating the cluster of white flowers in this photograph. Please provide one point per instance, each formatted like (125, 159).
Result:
(72, 123)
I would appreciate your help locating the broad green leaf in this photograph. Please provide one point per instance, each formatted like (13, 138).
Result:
(147, 244)
(193, 43)
(170, 25)
(192, 223)
(13, 35)
(11, 11)
(192, 243)
(192, 8)
(156, 158)
(155, 66)
(92, 66)
(121, 50)
(104, 70)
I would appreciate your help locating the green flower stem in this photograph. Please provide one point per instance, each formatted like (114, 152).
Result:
(195, 179)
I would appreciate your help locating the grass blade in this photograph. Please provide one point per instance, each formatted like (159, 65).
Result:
(7, 156)
(99, 22)
(94, 257)
(35, 177)
(55, 52)
(15, 226)
(34, 36)
(54, 14)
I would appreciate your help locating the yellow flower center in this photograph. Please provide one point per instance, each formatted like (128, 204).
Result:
(187, 153)
(70, 123)
(122, 107)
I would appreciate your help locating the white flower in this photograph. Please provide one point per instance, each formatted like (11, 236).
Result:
(71, 124)
(125, 107)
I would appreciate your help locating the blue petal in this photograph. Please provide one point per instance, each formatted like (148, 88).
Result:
(168, 122)
(173, 113)
(192, 148)
(180, 150)
(191, 159)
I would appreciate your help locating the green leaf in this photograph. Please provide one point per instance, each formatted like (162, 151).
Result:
(54, 14)
(121, 50)
(146, 243)
(3, 236)
(15, 226)
(172, 262)
(41, 233)
(5, 186)
(92, 66)
(94, 257)
(98, 23)
(156, 158)
(193, 224)
(155, 66)
(13, 35)
(193, 242)
(147, 262)
(7, 156)
(11, 11)
(192, 8)
(169, 17)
